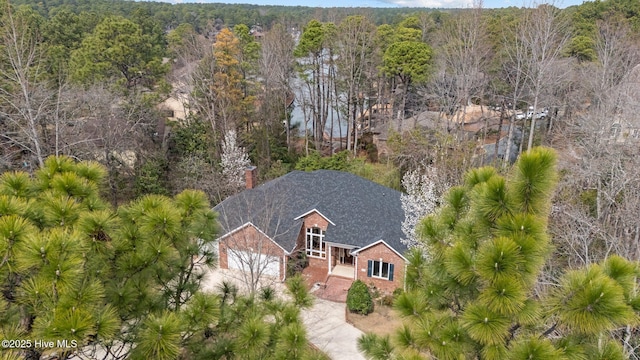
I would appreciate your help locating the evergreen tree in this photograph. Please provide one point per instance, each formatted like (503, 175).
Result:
(74, 268)
(125, 282)
(315, 67)
(406, 58)
(478, 298)
(229, 99)
(119, 49)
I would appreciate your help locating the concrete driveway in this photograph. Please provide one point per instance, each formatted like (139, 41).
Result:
(325, 321)
(328, 330)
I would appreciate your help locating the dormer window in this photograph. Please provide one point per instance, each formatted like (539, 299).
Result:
(315, 242)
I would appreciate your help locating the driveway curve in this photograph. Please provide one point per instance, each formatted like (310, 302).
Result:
(325, 321)
(328, 330)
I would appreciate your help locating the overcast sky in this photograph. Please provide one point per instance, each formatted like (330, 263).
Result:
(392, 3)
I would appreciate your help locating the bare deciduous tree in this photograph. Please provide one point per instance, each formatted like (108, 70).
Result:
(26, 102)
(513, 70)
(544, 33)
(464, 55)
(597, 206)
(617, 53)
(194, 172)
(354, 50)
(104, 127)
(276, 69)
(248, 247)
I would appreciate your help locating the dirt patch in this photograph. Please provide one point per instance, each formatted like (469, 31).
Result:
(382, 321)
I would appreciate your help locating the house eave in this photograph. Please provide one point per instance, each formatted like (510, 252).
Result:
(249, 223)
(319, 213)
(376, 243)
(345, 246)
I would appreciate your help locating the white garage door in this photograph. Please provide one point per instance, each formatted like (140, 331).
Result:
(262, 264)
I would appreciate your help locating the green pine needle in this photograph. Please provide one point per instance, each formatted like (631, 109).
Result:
(479, 176)
(92, 171)
(11, 205)
(411, 304)
(459, 262)
(484, 326)
(533, 348)
(15, 184)
(492, 201)
(504, 296)
(590, 302)
(533, 180)
(159, 338)
(499, 259)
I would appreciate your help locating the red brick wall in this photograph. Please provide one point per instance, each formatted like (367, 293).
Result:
(318, 267)
(250, 177)
(315, 220)
(249, 239)
(377, 252)
(334, 256)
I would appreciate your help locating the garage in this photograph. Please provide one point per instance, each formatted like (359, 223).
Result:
(258, 263)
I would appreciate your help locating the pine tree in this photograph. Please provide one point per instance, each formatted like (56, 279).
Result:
(478, 298)
(126, 281)
(119, 49)
(229, 98)
(74, 268)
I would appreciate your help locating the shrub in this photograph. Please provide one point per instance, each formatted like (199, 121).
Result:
(298, 290)
(297, 262)
(314, 161)
(387, 300)
(267, 294)
(397, 292)
(359, 298)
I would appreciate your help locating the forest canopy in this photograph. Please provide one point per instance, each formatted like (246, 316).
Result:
(115, 115)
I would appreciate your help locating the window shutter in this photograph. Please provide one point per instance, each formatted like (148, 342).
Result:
(369, 267)
(390, 272)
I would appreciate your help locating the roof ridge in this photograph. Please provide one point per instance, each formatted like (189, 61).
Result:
(361, 209)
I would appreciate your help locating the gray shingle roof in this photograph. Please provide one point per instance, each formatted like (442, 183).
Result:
(363, 212)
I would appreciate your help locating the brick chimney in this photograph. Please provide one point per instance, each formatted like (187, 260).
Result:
(251, 176)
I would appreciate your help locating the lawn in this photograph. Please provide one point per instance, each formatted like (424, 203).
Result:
(382, 321)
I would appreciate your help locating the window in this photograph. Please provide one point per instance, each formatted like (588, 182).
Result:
(380, 269)
(315, 242)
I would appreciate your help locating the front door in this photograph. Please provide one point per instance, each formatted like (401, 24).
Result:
(345, 257)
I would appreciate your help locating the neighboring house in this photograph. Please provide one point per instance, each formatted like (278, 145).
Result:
(625, 123)
(176, 107)
(345, 226)
(175, 110)
(623, 131)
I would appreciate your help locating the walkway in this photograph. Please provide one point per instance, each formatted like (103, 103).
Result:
(345, 271)
(335, 289)
(328, 330)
